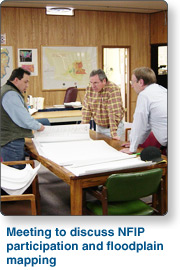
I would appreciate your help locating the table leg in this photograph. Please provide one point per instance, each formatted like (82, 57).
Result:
(76, 197)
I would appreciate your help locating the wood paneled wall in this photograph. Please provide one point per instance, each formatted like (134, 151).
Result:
(159, 22)
(32, 28)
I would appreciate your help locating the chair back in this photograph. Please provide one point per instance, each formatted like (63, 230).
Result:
(132, 186)
(71, 95)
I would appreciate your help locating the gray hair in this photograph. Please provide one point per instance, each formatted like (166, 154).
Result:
(101, 74)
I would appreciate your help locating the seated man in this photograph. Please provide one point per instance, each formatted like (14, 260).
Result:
(151, 110)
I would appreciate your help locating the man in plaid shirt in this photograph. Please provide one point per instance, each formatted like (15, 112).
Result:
(103, 103)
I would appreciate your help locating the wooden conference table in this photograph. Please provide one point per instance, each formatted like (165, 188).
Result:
(77, 183)
(60, 116)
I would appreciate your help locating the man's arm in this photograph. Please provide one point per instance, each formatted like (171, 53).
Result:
(86, 111)
(115, 111)
(13, 104)
(140, 127)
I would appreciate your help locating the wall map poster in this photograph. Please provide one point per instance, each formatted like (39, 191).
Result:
(63, 67)
(7, 63)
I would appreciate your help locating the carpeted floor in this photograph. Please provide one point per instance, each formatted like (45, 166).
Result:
(55, 194)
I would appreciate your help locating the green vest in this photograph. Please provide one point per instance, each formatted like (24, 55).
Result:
(9, 130)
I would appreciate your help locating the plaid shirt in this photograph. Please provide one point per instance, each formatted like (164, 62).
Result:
(105, 107)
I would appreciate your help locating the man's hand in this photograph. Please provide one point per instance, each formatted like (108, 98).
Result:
(127, 145)
(41, 128)
(116, 138)
(126, 150)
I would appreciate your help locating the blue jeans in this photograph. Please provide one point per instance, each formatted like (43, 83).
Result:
(14, 151)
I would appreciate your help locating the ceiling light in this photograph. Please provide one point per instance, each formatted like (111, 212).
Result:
(59, 11)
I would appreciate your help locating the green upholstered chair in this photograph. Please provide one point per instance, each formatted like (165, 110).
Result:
(122, 194)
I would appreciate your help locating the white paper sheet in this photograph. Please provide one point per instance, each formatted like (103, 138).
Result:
(108, 166)
(15, 181)
(70, 146)
(63, 133)
(76, 104)
(80, 153)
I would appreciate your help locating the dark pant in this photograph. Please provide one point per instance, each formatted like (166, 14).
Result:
(14, 151)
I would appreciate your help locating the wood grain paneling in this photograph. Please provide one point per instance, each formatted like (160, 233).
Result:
(32, 28)
(159, 27)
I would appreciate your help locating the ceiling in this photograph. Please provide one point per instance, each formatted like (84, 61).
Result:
(120, 6)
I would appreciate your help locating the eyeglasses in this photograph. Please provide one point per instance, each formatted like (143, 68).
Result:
(133, 82)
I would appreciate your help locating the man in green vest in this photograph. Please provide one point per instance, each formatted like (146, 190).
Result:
(16, 122)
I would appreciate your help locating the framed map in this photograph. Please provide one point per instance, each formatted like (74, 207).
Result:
(7, 63)
(64, 67)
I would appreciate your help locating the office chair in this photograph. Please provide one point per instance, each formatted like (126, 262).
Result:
(12, 205)
(71, 95)
(26, 204)
(122, 194)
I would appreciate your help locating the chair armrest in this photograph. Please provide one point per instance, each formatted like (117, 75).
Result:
(98, 194)
(23, 197)
(19, 162)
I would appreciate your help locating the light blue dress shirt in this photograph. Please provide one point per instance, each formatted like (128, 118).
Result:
(150, 115)
(13, 104)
